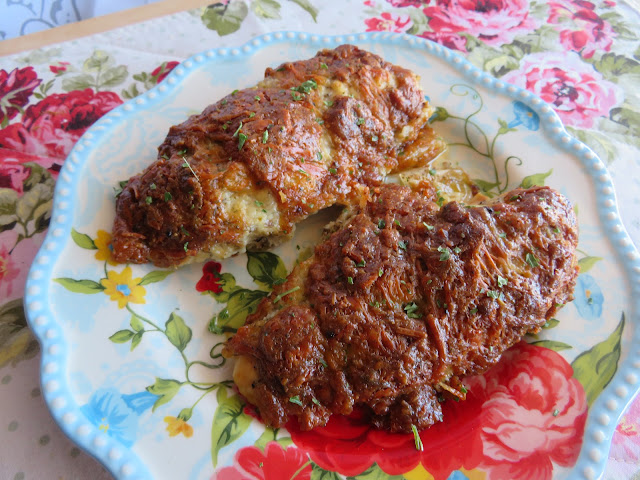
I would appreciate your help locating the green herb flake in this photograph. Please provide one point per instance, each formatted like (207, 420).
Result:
(360, 121)
(238, 130)
(296, 96)
(296, 400)
(397, 222)
(322, 360)
(432, 171)
(325, 66)
(493, 294)
(235, 91)
(531, 259)
(374, 138)
(167, 196)
(333, 171)
(502, 235)
(315, 401)
(361, 264)
(241, 139)
(445, 253)
(411, 310)
(265, 136)
(402, 244)
(307, 86)
(381, 224)
(556, 229)
(473, 311)
(350, 280)
(456, 250)
(380, 272)
(319, 155)
(149, 200)
(186, 246)
(502, 281)
(152, 186)
(257, 98)
(556, 412)
(416, 438)
(429, 227)
(225, 126)
(328, 103)
(284, 294)
(224, 101)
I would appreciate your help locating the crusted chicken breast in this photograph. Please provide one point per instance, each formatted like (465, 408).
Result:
(404, 300)
(241, 174)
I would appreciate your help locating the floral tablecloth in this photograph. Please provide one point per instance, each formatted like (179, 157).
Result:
(582, 57)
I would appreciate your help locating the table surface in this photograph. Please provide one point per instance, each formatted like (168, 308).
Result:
(597, 42)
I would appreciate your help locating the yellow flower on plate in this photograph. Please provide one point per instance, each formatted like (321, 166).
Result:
(177, 426)
(122, 288)
(105, 251)
(419, 473)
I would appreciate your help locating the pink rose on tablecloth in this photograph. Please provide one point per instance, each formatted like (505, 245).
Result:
(586, 32)
(52, 126)
(493, 21)
(533, 414)
(274, 464)
(407, 3)
(625, 446)
(577, 91)
(9, 272)
(59, 67)
(15, 89)
(387, 23)
(13, 174)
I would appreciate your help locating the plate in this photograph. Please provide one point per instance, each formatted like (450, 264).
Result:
(132, 371)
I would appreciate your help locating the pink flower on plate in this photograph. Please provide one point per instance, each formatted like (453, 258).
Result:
(625, 446)
(587, 31)
(577, 91)
(493, 21)
(52, 126)
(533, 414)
(388, 23)
(274, 463)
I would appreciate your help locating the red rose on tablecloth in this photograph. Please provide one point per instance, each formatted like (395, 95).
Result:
(15, 89)
(13, 174)
(160, 72)
(211, 280)
(407, 3)
(387, 23)
(586, 31)
(533, 414)
(493, 21)
(52, 126)
(577, 91)
(518, 418)
(274, 464)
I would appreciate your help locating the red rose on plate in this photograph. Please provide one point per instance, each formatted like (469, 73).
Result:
(387, 23)
(211, 280)
(493, 21)
(52, 126)
(577, 91)
(587, 32)
(160, 72)
(533, 414)
(519, 418)
(274, 464)
(15, 89)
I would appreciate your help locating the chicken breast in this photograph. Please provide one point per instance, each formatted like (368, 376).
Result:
(241, 174)
(402, 302)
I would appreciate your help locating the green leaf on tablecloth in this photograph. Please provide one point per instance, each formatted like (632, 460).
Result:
(155, 276)
(627, 117)
(308, 7)
(8, 203)
(587, 263)
(225, 18)
(83, 240)
(80, 286)
(267, 269)
(552, 345)
(598, 142)
(544, 39)
(178, 333)
(98, 62)
(17, 343)
(229, 422)
(536, 180)
(595, 368)
(131, 92)
(113, 76)
(612, 66)
(266, 8)
(623, 30)
(165, 388)
(78, 82)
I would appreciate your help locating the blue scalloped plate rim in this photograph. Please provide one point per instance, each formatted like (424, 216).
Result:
(603, 415)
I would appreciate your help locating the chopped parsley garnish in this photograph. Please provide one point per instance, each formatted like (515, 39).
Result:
(502, 281)
(241, 139)
(374, 138)
(380, 272)
(315, 401)
(416, 438)
(322, 361)
(473, 311)
(186, 164)
(186, 246)
(531, 259)
(350, 280)
(495, 294)
(257, 98)
(429, 227)
(397, 222)
(152, 186)
(252, 114)
(325, 66)
(296, 96)
(402, 244)
(184, 231)
(307, 86)
(360, 121)
(182, 152)
(235, 91)
(319, 155)
(361, 264)
(432, 171)
(333, 171)
(265, 136)
(456, 250)
(328, 103)
(284, 294)
(238, 130)
(167, 196)
(149, 200)
(411, 310)
(502, 235)
(296, 400)
(445, 253)
(556, 229)
(381, 224)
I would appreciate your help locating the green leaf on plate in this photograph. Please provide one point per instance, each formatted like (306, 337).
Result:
(375, 473)
(185, 414)
(155, 276)
(552, 345)
(122, 336)
(535, 180)
(135, 340)
(136, 323)
(166, 389)
(587, 263)
(241, 303)
(319, 473)
(229, 422)
(83, 240)
(269, 435)
(551, 323)
(177, 331)
(266, 269)
(308, 7)
(595, 367)
(80, 286)
(225, 18)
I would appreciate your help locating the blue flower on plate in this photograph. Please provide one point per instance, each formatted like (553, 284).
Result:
(117, 415)
(457, 475)
(524, 115)
(588, 297)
